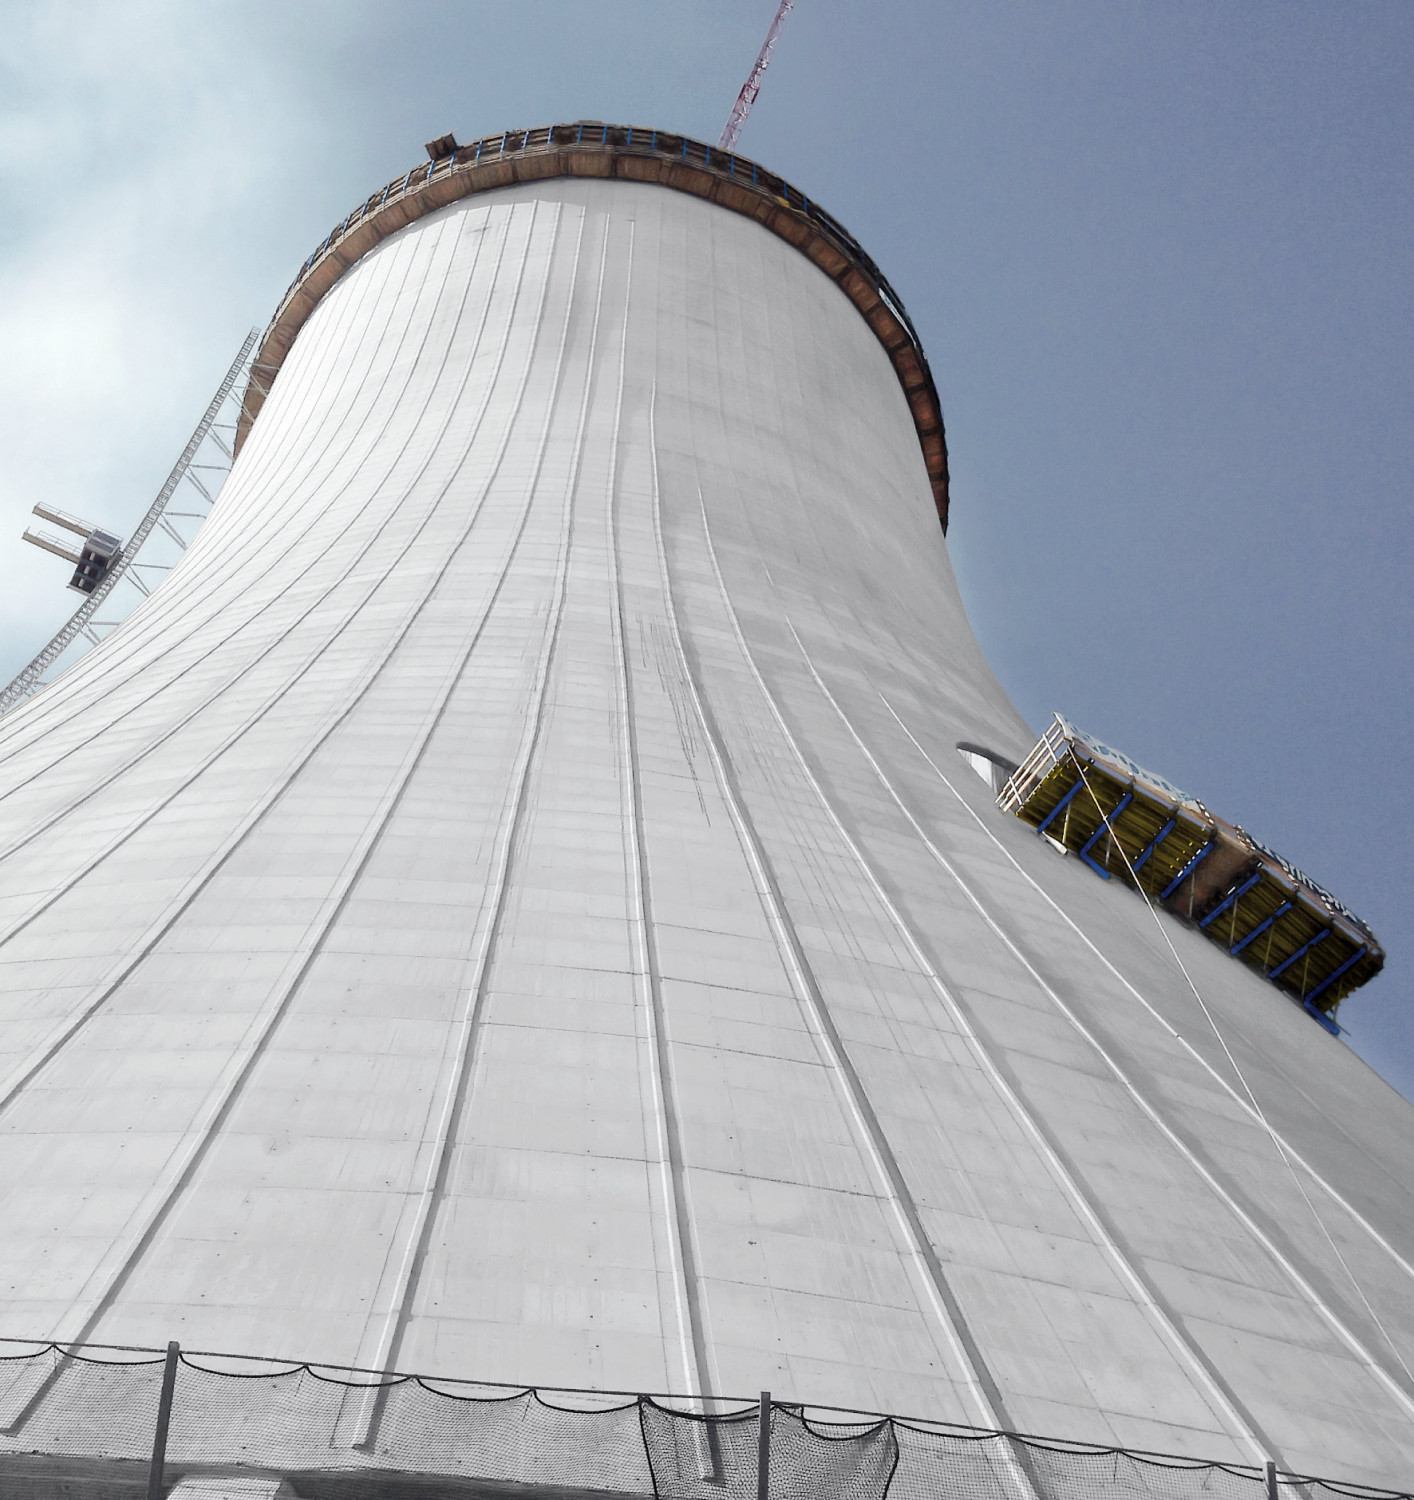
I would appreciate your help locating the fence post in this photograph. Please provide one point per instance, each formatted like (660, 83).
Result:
(763, 1447)
(164, 1420)
(1271, 1480)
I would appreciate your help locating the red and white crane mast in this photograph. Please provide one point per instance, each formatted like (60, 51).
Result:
(752, 86)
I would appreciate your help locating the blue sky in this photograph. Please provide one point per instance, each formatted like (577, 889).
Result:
(1159, 255)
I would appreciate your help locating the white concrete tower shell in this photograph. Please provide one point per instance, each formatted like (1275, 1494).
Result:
(511, 905)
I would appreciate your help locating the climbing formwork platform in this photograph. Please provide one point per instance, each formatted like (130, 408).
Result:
(1127, 822)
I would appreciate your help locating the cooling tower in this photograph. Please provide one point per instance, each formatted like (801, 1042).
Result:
(512, 905)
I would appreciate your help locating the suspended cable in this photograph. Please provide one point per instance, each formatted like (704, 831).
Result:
(1261, 1114)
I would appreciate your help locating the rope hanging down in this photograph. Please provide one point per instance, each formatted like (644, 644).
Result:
(1278, 1143)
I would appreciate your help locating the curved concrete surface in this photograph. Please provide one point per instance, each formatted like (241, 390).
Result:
(511, 905)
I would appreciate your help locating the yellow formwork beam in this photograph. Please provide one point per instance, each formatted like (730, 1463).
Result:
(1130, 825)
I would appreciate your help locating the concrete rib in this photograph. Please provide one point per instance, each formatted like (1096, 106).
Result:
(243, 1066)
(604, 1012)
(403, 1292)
(1242, 1422)
(225, 684)
(1309, 1292)
(185, 582)
(1290, 1150)
(697, 1366)
(991, 1407)
(9, 1089)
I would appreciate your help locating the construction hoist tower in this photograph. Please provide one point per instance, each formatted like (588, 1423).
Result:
(518, 901)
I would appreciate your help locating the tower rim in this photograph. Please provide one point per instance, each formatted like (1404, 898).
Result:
(626, 153)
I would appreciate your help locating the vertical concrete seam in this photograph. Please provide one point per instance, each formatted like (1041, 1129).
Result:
(232, 738)
(149, 623)
(353, 867)
(976, 1378)
(1244, 1426)
(699, 1365)
(1352, 1343)
(276, 641)
(20, 1077)
(1278, 1144)
(183, 585)
(145, 622)
(948, 1308)
(1188, 1047)
(251, 545)
(418, 1244)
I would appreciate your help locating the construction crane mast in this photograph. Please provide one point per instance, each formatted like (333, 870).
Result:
(752, 86)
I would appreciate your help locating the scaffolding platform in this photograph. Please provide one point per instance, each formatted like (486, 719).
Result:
(1127, 823)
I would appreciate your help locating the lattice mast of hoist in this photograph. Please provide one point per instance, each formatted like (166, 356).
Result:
(28, 680)
(752, 86)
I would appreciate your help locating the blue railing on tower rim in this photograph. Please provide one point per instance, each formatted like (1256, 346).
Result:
(677, 162)
(596, 136)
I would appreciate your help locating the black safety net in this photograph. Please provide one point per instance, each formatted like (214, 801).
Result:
(97, 1421)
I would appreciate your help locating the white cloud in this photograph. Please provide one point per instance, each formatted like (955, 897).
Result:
(136, 144)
